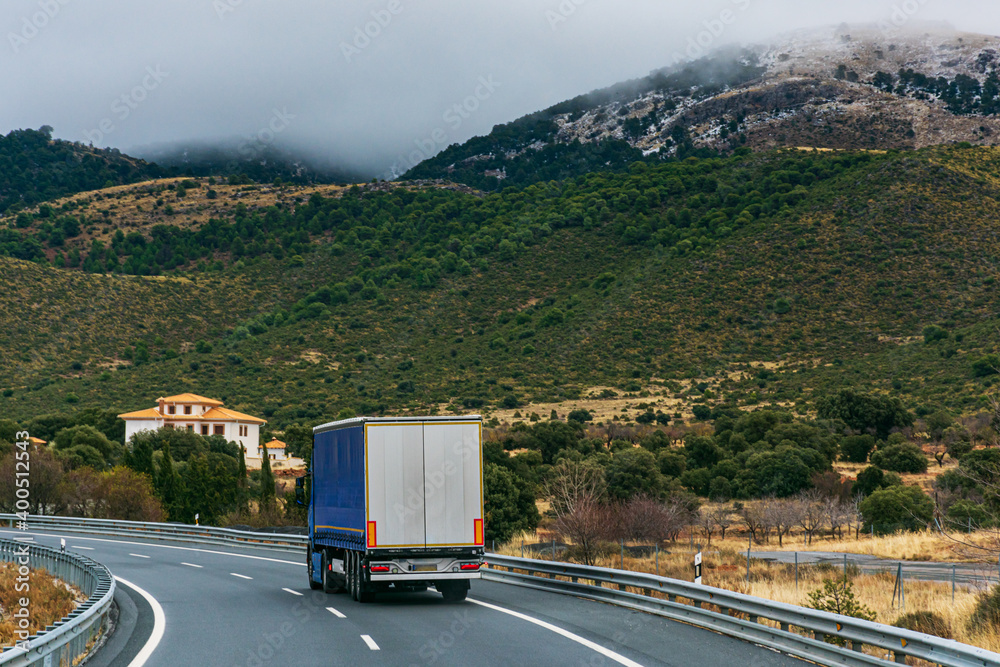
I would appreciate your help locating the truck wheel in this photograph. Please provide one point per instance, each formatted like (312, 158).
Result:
(309, 562)
(328, 585)
(349, 572)
(454, 591)
(364, 594)
(353, 569)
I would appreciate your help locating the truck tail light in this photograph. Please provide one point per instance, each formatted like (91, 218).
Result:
(379, 568)
(372, 535)
(477, 529)
(470, 566)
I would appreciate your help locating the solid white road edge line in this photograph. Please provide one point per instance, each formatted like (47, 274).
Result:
(84, 548)
(159, 625)
(241, 576)
(139, 556)
(335, 612)
(191, 565)
(289, 590)
(371, 642)
(163, 546)
(606, 652)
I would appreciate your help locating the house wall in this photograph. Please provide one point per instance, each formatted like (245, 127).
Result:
(133, 426)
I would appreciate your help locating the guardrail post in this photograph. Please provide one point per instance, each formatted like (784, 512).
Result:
(900, 658)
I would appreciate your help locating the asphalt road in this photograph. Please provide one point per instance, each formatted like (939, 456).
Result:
(248, 607)
(981, 575)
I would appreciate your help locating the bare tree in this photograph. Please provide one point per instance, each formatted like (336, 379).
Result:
(587, 525)
(782, 515)
(646, 519)
(707, 524)
(833, 509)
(812, 513)
(757, 521)
(573, 481)
(723, 518)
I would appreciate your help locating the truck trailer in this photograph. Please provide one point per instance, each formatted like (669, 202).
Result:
(396, 503)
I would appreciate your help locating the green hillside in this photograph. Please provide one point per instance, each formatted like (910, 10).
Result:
(774, 277)
(35, 168)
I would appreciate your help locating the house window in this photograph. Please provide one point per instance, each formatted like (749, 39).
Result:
(172, 410)
(220, 429)
(187, 409)
(190, 427)
(243, 431)
(170, 426)
(204, 429)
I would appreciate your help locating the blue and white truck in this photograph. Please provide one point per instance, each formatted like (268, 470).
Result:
(396, 504)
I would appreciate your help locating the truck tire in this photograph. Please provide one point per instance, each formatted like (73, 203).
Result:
(352, 581)
(328, 585)
(364, 595)
(309, 567)
(454, 591)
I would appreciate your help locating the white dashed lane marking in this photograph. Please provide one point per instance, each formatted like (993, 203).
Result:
(241, 576)
(191, 565)
(335, 612)
(289, 590)
(371, 642)
(139, 556)
(84, 548)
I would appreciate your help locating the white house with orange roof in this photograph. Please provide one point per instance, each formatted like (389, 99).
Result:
(204, 416)
(275, 450)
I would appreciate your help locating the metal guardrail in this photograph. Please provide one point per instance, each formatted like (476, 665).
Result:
(166, 531)
(740, 615)
(68, 639)
(722, 611)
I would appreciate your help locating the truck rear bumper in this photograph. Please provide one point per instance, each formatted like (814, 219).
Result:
(389, 577)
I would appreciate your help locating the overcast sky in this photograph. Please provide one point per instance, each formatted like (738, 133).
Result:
(131, 74)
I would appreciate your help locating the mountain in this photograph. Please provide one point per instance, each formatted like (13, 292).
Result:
(756, 278)
(259, 160)
(35, 168)
(853, 87)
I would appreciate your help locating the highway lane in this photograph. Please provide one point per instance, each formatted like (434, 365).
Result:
(251, 607)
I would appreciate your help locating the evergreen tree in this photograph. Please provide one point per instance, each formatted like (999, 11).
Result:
(242, 484)
(266, 483)
(140, 458)
(167, 486)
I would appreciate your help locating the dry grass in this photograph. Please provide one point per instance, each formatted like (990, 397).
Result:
(928, 545)
(726, 569)
(51, 600)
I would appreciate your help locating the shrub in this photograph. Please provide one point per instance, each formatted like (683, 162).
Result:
(579, 415)
(701, 412)
(934, 333)
(856, 448)
(987, 611)
(897, 507)
(985, 366)
(873, 478)
(927, 622)
(901, 458)
(672, 463)
(837, 597)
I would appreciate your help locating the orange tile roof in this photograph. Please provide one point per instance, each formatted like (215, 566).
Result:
(231, 415)
(151, 413)
(190, 398)
(275, 444)
(36, 441)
